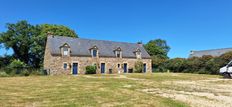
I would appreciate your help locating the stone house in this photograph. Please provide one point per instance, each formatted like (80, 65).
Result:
(67, 55)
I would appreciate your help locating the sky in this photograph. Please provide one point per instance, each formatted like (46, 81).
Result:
(185, 24)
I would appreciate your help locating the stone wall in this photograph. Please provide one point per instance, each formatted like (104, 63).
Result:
(54, 64)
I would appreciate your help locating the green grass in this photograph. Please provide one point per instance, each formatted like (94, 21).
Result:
(99, 90)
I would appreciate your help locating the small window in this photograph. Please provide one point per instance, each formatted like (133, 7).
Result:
(138, 55)
(94, 53)
(65, 51)
(118, 65)
(65, 66)
(118, 54)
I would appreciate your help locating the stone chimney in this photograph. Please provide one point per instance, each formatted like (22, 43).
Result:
(140, 44)
(50, 34)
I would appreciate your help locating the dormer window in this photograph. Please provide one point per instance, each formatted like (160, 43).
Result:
(65, 49)
(118, 52)
(94, 51)
(138, 53)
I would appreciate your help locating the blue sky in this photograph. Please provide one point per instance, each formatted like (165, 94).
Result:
(185, 24)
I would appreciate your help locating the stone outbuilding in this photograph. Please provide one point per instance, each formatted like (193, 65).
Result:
(67, 55)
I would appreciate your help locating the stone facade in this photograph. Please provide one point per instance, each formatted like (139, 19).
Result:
(54, 64)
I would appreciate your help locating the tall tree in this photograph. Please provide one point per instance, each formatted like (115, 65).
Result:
(19, 38)
(28, 41)
(157, 47)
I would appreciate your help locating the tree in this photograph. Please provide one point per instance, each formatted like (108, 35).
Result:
(176, 64)
(28, 41)
(19, 38)
(158, 48)
(158, 64)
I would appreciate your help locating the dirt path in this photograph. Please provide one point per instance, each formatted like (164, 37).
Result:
(202, 93)
(199, 93)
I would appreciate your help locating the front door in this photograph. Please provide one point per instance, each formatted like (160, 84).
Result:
(144, 68)
(75, 68)
(125, 67)
(102, 68)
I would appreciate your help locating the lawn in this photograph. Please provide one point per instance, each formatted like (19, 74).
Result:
(139, 90)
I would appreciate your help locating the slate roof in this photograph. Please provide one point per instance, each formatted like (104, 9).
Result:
(80, 47)
(212, 52)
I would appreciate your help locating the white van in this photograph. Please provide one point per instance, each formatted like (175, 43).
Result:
(226, 71)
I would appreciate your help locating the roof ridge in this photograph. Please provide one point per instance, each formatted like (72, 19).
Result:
(211, 49)
(92, 39)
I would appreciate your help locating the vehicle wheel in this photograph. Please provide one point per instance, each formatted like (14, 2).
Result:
(226, 75)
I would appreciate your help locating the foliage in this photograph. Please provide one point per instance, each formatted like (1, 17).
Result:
(159, 64)
(28, 41)
(19, 38)
(25, 73)
(202, 65)
(176, 65)
(17, 64)
(5, 60)
(90, 69)
(3, 74)
(157, 48)
(58, 30)
(138, 67)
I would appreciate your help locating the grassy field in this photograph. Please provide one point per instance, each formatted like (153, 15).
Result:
(137, 90)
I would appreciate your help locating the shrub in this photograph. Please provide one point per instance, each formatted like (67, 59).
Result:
(25, 73)
(176, 64)
(90, 69)
(17, 64)
(138, 67)
(3, 74)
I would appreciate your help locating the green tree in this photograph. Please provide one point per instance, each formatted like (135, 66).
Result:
(28, 41)
(157, 47)
(158, 50)
(158, 64)
(176, 64)
(19, 38)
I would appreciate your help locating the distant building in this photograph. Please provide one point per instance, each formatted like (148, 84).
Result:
(212, 52)
(66, 55)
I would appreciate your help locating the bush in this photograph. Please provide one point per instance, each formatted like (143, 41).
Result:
(90, 69)
(138, 67)
(17, 64)
(176, 64)
(3, 74)
(25, 73)
(202, 65)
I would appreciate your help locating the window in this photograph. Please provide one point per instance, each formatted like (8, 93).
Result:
(65, 66)
(138, 55)
(94, 53)
(65, 50)
(118, 54)
(118, 65)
